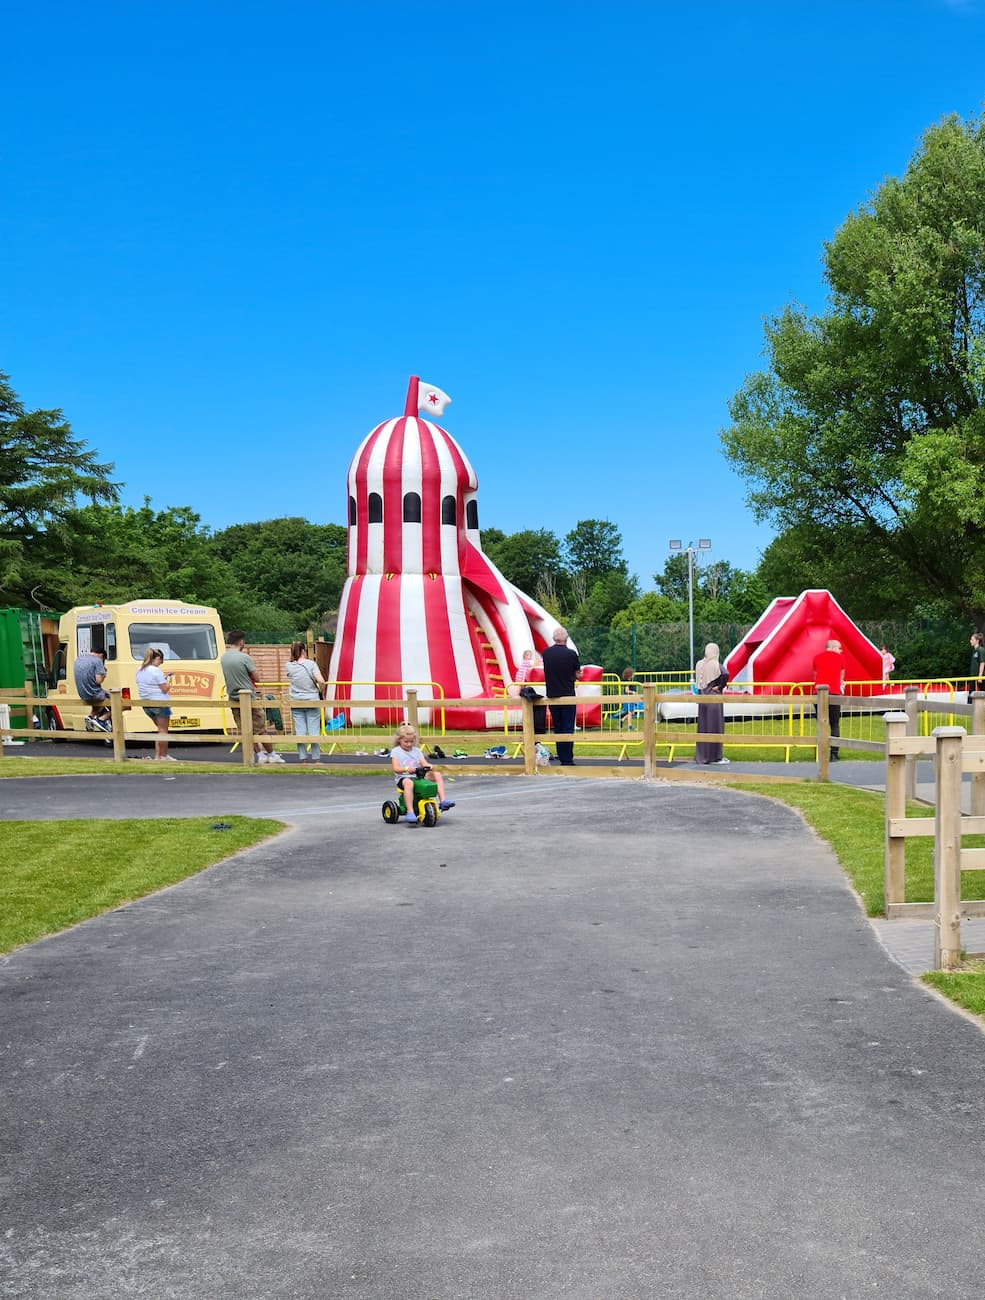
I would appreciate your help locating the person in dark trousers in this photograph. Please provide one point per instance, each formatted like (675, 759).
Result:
(977, 662)
(829, 671)
(562, 668)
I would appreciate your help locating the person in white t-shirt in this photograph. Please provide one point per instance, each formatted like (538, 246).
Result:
(153, 683)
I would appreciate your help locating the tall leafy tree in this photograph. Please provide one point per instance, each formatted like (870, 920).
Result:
(44, 472)
(673, 579)
(594, 548)
(863, 574)
(606, 597)
(871, 416)
(287, 564)
(526, 558)
(117, 553)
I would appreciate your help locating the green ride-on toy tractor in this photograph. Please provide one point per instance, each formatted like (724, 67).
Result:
(425, 803)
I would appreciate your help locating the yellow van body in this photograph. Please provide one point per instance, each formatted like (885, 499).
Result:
(189, 636)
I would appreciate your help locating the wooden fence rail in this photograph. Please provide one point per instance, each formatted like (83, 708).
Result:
(954, 752)
(24, 703)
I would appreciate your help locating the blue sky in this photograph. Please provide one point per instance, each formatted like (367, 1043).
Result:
(230, 231)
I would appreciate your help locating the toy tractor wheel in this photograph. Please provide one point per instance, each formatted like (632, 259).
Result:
(391, 812)
(430, 814)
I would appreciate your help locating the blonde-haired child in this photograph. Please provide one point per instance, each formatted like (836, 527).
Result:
(405, 758)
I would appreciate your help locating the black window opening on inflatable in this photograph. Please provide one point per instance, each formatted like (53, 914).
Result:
(472, 514)
(448, 514)
(375, 505)
(412, 508)
(352, 510)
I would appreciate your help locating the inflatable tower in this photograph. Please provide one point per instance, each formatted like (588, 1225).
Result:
(422, 606)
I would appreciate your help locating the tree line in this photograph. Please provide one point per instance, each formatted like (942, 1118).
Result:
(862, 442)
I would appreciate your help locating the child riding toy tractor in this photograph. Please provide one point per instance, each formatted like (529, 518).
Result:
(426, 803)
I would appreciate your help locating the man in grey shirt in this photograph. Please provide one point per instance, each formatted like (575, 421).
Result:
(89, 671)
(240, 674)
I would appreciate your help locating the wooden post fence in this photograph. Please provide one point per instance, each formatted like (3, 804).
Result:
(911, 698)
(896, 777)
(823, 734)
(119, 732)
(977, 804)
(246, 727)
(947, 848)
(649, 729)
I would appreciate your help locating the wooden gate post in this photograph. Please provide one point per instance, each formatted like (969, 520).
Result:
(649, 729)
(529, 743)
(895, 847)
(911, 699)
(977, 805)
(823, 733)
(246, 727)
(29, 706)
(119, 735)
(412, 706)
(947, 848)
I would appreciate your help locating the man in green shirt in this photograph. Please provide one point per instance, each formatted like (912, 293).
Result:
(240, 673)
(977, 662)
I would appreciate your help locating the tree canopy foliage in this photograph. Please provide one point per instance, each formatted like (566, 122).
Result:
(868, 422)
(286, 564)
(44, 471)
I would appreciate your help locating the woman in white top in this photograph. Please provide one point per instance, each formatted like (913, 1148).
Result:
(306, 683)
(155, 684)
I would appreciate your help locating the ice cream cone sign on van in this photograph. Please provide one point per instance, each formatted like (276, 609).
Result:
(190, 638)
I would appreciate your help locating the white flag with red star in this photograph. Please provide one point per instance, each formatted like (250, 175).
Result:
(431, 399)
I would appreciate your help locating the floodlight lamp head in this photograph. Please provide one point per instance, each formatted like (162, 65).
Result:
(674, 545)
(704, 543)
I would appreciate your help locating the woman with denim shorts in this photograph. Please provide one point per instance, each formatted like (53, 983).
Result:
(154, 684)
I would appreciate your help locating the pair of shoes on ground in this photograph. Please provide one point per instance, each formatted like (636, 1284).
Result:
(263, 758)
(165, 758)
(460, 753)
(495, 751)
(437, 752)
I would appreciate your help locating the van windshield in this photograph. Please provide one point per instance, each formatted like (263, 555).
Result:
(174, 640)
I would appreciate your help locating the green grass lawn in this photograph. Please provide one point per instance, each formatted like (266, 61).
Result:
(966, 988)
(50, 879)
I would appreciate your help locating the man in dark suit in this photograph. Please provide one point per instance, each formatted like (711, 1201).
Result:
(562, 668)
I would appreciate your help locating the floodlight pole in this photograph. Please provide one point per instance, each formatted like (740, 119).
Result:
(704, 544)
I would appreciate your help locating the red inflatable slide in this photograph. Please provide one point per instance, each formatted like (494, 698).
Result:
(779, 650)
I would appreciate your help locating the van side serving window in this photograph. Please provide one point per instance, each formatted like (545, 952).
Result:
(174, 640)
(97, 636)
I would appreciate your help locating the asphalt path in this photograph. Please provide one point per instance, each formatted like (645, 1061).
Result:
(582, 1039)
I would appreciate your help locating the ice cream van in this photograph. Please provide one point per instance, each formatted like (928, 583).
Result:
(189, 636)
